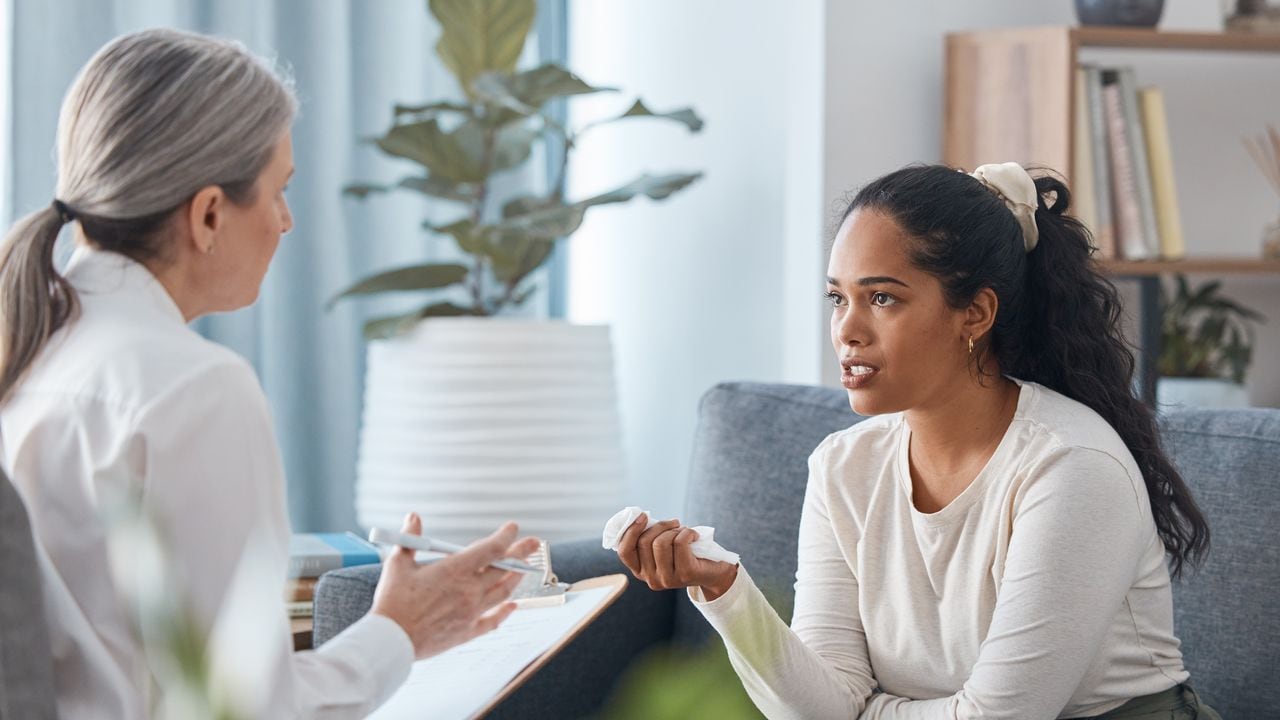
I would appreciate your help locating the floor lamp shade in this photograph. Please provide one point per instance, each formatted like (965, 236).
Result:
(471, 422)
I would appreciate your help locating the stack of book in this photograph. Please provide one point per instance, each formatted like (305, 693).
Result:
(1123, 168)
(314, 554)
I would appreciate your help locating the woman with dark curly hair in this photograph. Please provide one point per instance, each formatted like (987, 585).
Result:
(993, 543)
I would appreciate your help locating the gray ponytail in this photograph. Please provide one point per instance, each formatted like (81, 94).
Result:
(154, 117)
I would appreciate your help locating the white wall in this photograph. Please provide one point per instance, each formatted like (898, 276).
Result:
(696, 286)
(804, 102)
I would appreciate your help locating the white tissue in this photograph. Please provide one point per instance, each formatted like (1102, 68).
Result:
(704, 547)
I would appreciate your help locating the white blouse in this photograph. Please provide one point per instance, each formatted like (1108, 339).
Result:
(128, 397)
(1039, 592)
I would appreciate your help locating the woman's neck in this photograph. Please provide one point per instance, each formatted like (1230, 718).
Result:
(952, 440)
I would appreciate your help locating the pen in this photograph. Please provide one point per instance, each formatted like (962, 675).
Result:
(421, 542)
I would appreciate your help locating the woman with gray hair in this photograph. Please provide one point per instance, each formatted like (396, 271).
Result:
(174, 151)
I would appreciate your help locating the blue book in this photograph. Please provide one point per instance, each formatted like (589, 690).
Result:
(314, 554)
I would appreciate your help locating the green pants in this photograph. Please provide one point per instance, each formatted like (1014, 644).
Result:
(1179, 702)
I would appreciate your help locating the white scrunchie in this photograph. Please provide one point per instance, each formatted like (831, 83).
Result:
(1018, 191)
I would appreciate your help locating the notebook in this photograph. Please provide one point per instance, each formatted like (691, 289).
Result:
(468, 681)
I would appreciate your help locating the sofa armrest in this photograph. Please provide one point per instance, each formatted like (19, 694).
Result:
(578, 680)
(341, 598)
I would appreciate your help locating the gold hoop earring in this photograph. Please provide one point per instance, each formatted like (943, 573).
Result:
(970, 344)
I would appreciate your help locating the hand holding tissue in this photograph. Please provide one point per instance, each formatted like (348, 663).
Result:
(704, 547)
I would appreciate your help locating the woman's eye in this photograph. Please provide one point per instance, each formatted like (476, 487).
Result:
(888, 299)
(834, 299)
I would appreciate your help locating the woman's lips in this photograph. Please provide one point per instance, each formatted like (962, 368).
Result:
(854, 380)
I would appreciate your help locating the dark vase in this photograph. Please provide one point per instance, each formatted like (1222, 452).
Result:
(1141, 13)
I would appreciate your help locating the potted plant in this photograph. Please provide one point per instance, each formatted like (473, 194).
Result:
(471, 418)
(1206, 347)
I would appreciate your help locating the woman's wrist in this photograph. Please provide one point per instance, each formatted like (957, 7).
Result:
(721, 585)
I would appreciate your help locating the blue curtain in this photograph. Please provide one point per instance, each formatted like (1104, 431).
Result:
(351, 60)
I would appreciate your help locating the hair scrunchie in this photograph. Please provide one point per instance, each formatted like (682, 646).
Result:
(1011, 183)
(63, 211)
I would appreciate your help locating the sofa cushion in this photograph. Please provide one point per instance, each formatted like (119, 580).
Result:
(1227, 614)
(26, 668)
(748, 477)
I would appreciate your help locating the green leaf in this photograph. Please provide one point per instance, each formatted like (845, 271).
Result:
(1203, 293)
(416, 277)
(513, 145)
(479, 36)
(1210, 330)
(684, 116)
(472, 243)
(524, 204)
(536, 253)
(431, 109)
(385, 327)
(447, 155)
(562, 220)
(456, 158)
(506, 255)
(520, 256)
(436, 187)
(364, 190)
(526, 92)
(493, 88)
(547, 223)
(656, 187)
(1244, 312)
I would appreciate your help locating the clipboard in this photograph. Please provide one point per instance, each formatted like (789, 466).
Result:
(616, 585)
(420, 696)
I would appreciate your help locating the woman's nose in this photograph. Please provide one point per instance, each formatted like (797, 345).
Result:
(287, 224)
(850, 328)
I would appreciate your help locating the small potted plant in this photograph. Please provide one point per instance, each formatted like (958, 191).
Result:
(1206, 347)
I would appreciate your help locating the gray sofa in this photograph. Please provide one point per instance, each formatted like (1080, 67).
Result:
(747, 479)
(26, 667)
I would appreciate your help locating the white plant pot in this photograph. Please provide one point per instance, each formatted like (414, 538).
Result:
(471, 422)
(1172, 392)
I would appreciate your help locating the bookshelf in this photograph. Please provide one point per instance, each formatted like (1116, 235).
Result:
(1216, 266)
(998, 80)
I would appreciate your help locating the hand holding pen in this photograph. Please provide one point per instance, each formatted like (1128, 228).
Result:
(449, 601)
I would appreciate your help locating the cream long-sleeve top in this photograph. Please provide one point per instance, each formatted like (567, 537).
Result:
(128, 395)
(1041, 591)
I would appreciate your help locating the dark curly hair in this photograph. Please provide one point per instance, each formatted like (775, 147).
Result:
(1058, 321)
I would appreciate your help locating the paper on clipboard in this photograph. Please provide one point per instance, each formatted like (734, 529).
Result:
(468, 680)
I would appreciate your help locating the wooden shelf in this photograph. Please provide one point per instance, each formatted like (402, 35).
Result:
(1229, 266)
(1009, 92)
(1127, 38)
(1010, 96)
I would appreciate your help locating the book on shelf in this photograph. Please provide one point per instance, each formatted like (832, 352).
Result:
(1123, 161)
(1164, 192)
(314, 554)
(1124, 184)
(1082, 191)
(296, 589)
(1104, 233)
(1138, 158)
(300, 608)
